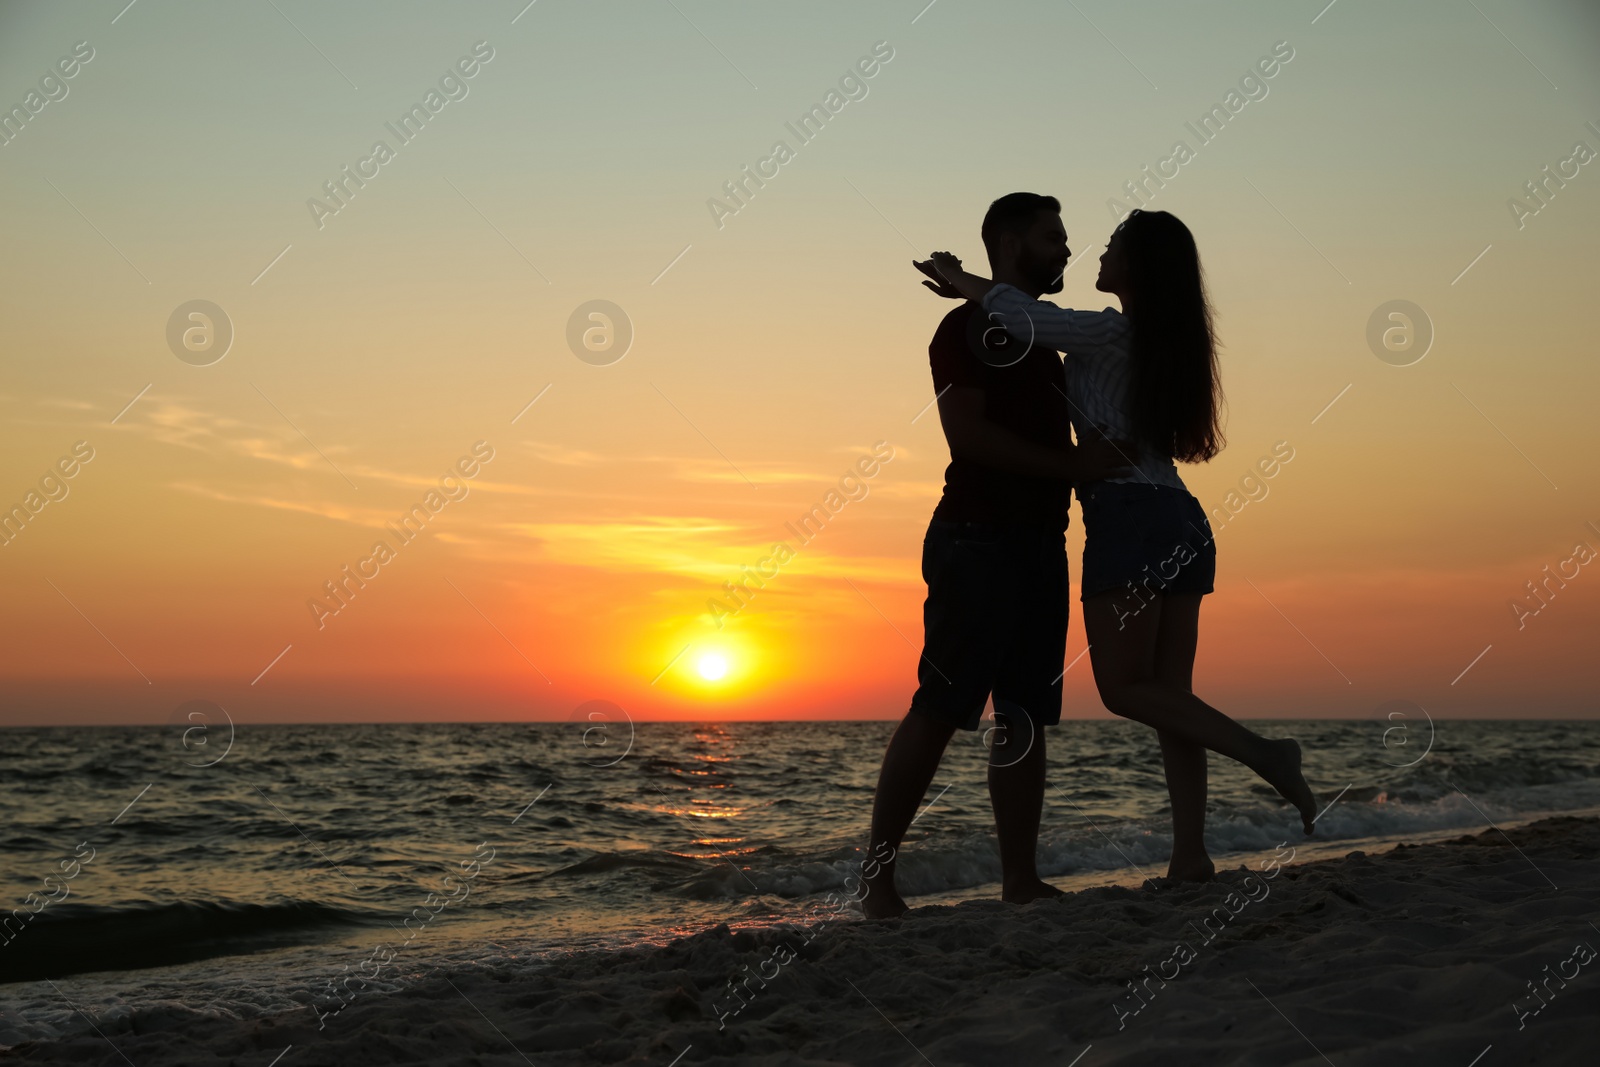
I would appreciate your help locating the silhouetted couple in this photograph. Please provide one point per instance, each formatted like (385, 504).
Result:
(1140, 389)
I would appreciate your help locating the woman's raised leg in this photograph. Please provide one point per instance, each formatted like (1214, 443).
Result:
(1123, 642)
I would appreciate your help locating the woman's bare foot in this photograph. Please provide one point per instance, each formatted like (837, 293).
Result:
(1282, 771)
(1199, 869)
(883, 903)
(1032, 889)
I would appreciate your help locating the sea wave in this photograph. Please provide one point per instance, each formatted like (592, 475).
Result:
(71, 939)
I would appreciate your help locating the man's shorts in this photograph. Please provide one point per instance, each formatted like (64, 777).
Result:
(1146, 540)
(995, 622)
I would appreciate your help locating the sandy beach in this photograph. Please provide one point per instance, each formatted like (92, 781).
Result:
(1476, 951)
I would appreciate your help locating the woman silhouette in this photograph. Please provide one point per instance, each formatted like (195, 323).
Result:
(1148, 375)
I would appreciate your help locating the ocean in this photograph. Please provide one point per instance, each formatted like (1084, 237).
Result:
(266, 868)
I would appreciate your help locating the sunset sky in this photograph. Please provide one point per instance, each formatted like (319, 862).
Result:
(776, 341)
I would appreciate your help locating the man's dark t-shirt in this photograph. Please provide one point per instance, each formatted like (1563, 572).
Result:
(1026, 397)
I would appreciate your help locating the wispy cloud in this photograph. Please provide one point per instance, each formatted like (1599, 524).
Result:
(173, 422)
(365, 517)
(64, 403)
(676, 544)
(562, 455)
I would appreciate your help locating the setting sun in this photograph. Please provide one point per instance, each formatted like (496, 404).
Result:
(712, 666)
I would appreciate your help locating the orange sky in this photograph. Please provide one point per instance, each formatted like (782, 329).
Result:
(769, 354)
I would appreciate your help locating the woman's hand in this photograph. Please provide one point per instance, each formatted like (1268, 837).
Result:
(1098, 457)
(937, 280)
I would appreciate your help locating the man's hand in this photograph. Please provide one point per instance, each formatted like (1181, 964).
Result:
(1098, 457)
(937, 282)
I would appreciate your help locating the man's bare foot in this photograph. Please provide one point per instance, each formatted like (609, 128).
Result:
(883, 903)
(1192, 870)
(1033, 889)
(1282, 772)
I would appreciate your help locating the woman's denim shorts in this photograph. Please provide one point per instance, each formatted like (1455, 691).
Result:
(1145, 538)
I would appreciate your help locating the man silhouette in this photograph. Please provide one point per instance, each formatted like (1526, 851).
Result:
(995, 619)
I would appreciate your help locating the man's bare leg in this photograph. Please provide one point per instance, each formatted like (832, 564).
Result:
(908, 767)
(1016, 790)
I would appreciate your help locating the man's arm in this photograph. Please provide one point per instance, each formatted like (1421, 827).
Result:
(972, 436)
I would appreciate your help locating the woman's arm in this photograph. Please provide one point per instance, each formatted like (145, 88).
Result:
(1033, 321)
(948, 279)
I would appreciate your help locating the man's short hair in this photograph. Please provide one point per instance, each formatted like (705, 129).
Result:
(1014, 213)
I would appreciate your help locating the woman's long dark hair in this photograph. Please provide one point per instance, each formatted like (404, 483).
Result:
(1176, 394)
